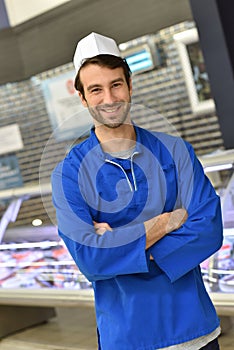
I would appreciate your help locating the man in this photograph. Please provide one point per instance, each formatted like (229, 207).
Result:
(138, 216)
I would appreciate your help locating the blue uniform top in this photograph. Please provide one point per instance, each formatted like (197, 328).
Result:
(140, 303)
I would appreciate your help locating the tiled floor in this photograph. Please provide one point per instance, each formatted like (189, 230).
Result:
(72, 329)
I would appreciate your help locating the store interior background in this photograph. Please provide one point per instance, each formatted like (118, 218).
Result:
(37, 42)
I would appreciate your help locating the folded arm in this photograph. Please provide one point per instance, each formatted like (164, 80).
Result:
(201, 234)
(99, 251)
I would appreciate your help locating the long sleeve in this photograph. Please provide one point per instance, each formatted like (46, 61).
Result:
(117, 252)
(201, 235)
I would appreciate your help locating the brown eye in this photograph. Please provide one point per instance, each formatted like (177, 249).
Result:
(116, 85)
(95, 91)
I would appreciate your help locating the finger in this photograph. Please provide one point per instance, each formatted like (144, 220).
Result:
(102, 225)
(100, 231)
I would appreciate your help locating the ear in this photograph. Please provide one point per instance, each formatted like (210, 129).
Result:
(83, 100)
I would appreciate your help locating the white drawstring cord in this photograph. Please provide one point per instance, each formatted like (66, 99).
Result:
(132, 170)
(129, 183)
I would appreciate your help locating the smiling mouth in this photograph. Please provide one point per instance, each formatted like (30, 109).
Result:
(112, 109)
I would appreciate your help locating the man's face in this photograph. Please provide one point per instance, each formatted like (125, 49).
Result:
(107, 95)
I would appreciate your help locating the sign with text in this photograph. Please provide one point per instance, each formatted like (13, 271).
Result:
(69, 119)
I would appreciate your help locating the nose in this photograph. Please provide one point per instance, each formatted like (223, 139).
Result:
(108, 97)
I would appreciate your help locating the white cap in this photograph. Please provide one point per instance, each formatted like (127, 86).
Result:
(92, 45)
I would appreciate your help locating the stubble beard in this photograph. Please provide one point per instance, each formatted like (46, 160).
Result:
(97, 113)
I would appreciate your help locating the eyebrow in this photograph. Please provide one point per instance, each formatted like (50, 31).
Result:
(90, 87)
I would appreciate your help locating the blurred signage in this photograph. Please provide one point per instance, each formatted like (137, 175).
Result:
(10, 139)
(69, 119)
(140, 60)
(10, 175)
(142, 57)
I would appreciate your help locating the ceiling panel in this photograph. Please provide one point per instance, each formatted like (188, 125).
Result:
(49, 40)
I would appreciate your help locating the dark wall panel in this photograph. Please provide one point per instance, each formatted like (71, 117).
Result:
(4, 21)
(216, 30)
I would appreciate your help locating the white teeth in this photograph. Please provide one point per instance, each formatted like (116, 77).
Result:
(110, 110)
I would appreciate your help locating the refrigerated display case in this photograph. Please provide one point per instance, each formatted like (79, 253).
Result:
(218, 270)
(37, 274)
(32, 270)
(36, 270)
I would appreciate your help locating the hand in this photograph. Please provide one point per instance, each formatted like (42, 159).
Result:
(176, 219)
(101, 227)
(160, 225)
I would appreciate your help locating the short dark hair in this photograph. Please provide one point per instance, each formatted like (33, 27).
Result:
(109, 61)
